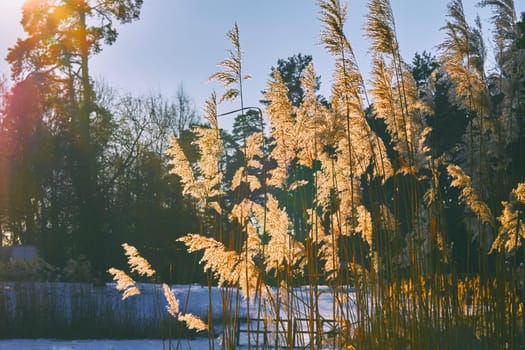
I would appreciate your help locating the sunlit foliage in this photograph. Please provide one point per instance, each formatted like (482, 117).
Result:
(378, 217)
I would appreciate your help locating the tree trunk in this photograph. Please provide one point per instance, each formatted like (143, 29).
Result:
(90, 240)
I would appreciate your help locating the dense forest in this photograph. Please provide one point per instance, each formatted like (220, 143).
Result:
(84, 167)
(411, 180)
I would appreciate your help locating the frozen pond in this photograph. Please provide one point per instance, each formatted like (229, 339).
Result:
(52, 344)
(64, 302)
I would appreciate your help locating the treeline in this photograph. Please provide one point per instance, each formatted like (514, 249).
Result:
(84, 168)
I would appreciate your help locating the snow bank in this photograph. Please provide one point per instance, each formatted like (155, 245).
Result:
(77, 310)
(51, 344)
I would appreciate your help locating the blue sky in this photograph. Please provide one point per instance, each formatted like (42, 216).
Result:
(181, 41)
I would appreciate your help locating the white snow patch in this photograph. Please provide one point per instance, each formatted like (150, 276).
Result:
(52, 344)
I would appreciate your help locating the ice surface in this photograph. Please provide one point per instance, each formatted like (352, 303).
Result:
(52, 344)
(194, 299)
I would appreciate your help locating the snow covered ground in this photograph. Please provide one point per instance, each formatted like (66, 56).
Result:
(193, 299)
(52, 344)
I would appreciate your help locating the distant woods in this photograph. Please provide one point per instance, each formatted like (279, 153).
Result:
(84, 168)
(136, 199)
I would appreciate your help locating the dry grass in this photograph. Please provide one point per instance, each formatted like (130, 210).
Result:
(375, 219)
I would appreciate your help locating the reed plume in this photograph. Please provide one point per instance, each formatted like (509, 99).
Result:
(231, 74)
(511, 233)
(125, 283)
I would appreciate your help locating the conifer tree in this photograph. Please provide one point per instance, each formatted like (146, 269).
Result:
(62, 35)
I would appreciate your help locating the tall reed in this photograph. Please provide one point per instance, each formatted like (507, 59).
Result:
(374, 221)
